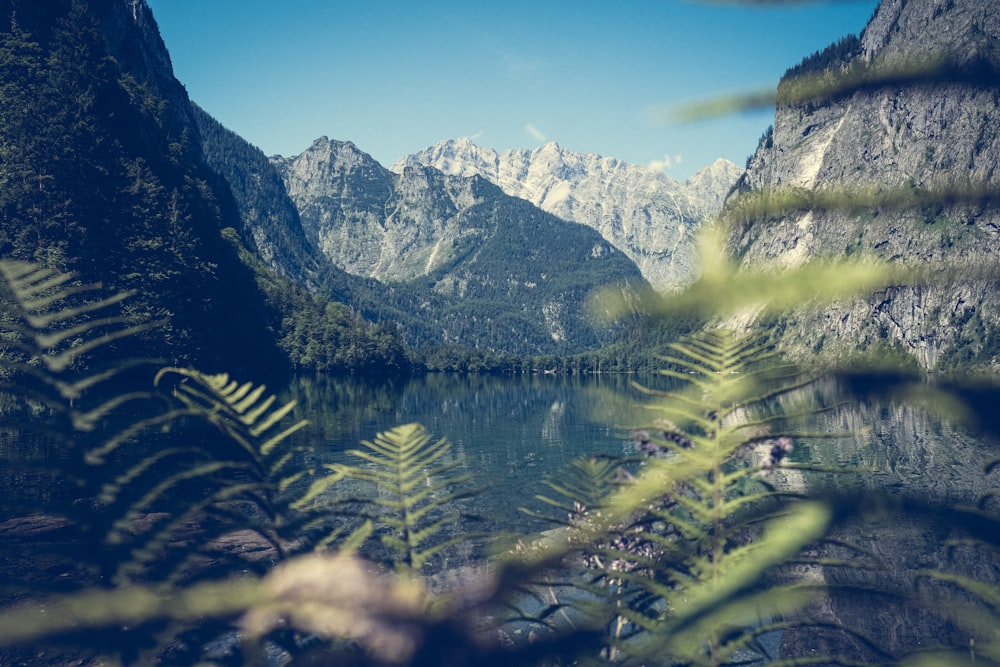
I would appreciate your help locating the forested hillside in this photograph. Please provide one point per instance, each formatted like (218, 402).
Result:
(102, 173)
(270, 226)
(315, 329)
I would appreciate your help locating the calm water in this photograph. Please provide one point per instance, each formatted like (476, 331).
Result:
(513, 432)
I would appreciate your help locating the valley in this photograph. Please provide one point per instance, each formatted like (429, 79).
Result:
(481, 407)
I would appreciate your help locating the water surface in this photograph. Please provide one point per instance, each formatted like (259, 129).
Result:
(513, 432)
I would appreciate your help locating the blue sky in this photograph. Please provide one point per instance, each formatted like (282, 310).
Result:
(396, 76)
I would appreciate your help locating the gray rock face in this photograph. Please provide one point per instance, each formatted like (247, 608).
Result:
(488, 270)
(647, 215)
(134, 39)
(372, 223)
(935, 131)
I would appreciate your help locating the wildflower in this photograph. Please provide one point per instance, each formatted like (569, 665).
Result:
(779, 450)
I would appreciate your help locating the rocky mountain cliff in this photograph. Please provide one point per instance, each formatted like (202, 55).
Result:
(912, 130)
(646, 214)
(353, 211)
(484, 269)
(270, 226)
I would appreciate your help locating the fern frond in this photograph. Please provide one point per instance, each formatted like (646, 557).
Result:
(354, 541)
(235, 408)
(729, 598)
(582, 484)
(285, 483)
(267, 447)
(723, 289)
(136, 509)
(152, 547)
(58, 328)
(421, 503)
(110, 490)
(988, 593)
(418, 488)
(681, 549)
(36, 289)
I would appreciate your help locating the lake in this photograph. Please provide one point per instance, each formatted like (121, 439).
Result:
(516, 431)
(513, 432)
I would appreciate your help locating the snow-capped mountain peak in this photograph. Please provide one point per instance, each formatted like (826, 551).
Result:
(645, 213)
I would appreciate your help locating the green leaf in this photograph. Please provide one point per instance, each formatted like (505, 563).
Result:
(416, 489)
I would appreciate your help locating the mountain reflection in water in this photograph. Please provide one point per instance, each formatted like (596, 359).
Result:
(516, 430)
(513, 432)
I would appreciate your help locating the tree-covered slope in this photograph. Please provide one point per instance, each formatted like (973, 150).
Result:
(100, 173)
(314, 328)
(103, 172)
(270, 226)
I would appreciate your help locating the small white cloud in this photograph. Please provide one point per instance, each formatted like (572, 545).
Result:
(661, 165)
(535, 133)
(667, 162)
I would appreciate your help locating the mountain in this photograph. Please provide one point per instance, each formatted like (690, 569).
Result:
(647, 215)
(469, 264)
(269, 222)
(907, 131)
(108, 170)
(102, 174)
